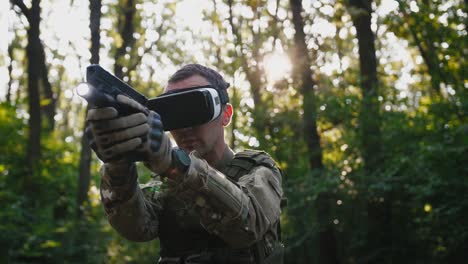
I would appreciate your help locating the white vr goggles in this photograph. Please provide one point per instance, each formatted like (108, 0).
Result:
(188, 107)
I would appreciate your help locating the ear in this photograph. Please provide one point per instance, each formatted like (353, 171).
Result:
(227, 115)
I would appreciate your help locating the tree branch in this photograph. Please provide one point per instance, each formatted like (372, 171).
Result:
(23, 7)
(145, 51)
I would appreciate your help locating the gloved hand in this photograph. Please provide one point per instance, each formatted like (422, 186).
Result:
(124, 139)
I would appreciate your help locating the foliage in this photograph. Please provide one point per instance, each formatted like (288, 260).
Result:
(419, 185)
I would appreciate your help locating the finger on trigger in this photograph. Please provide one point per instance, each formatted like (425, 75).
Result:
(95, 114)
(132, 103)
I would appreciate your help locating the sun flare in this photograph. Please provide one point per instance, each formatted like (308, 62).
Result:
(277, 66)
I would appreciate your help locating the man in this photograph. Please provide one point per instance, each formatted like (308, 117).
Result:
(207, 204)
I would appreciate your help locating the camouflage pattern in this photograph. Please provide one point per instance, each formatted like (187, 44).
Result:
(200, 210)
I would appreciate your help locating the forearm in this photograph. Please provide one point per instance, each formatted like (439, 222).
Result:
(127, 209)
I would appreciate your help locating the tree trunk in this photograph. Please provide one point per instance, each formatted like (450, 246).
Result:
(37, 72)
(50, 107)
(369, 115)
(378, 213)
(95, 27)
(126, 28)
(303, 74)
(10, 71)
(85, 155)
(33, 54)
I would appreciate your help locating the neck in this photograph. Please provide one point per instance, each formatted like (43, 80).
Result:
(216, 154)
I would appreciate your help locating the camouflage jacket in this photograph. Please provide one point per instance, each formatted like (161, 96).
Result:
(187, 217)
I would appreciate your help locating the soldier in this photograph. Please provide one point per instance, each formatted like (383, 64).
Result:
(205, 203)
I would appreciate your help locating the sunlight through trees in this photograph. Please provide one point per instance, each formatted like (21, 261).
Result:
(362, 103)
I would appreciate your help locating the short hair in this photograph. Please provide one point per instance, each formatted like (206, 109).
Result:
(213, 77)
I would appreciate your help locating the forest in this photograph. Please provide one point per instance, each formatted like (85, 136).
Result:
(361, 103)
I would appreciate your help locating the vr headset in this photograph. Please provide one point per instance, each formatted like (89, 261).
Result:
(178, 109)
(187, 107)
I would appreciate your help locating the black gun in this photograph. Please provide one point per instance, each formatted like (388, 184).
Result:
(102, 89)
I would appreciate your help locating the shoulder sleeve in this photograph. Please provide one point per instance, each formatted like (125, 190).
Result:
(263, 185)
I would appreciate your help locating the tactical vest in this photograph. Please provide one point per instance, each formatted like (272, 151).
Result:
(198, 239)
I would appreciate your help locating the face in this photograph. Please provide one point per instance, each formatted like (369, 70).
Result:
(203, 138)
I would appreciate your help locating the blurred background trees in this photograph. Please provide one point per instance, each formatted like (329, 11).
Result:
(362, 103)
